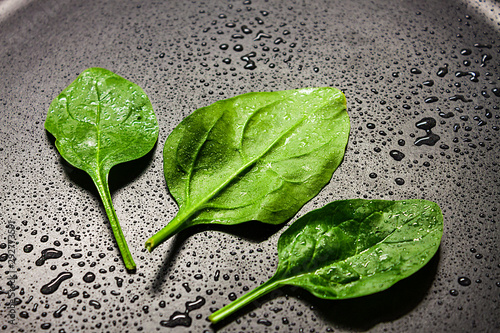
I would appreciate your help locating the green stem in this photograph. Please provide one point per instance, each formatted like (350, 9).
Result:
(103, 189)
(243, 301)
(168, 231)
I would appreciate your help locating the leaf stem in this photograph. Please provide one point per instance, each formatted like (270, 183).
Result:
(103, 189)
(243, 301)
(168, 231)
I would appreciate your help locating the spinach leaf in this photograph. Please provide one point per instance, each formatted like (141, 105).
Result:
(258, 156)
(101, 120)
(352, 248)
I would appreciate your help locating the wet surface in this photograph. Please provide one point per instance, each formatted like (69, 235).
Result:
(423, 93)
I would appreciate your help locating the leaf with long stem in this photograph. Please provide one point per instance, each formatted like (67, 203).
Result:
(257, 156)
(352, 248)
(99, 121)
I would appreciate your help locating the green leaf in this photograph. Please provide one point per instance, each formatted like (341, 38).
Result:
(258, 156)
(352, 248)
(101, 120)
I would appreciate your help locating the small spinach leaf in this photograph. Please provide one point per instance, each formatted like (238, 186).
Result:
(352, 248)
(101, 120)
(258, 156)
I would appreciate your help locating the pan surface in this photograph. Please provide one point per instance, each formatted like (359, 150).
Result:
(398, 62)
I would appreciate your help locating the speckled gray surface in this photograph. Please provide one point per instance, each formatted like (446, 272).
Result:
(385, 55)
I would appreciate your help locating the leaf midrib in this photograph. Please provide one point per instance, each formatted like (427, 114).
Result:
(98, 127)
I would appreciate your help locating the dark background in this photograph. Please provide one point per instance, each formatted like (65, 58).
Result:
(381, 54)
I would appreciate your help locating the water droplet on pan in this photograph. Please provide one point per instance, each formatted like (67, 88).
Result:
(464, 281)
(177, 319)
(53, 285)
(430, 138)
(397, 155)
(48, 254)
(89, 277)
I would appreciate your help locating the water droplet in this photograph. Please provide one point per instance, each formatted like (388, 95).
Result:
(95, 304)
(465, 52)
(119, 281)
(454, 292)
(460, 98)
(58, 312)
(264, 322)
(484, 58)
(278, 40)
(238, 48)
(397, 155)
(246, 30)
(261, 34)
(415, 71)
(400, 181)
(45, 326)
(442, 71)
(177, 319)
(431, 99)
(445, 115)
(430, 138)
(473, 75)
(196, 304)
(89, 277)
(48, 254)
(28, 248)
(250, 64)
(464, 281)
(53, 285)
(482, 46)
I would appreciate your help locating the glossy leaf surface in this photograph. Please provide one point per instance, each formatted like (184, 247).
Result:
(101, 120)
(258, 156)
(352, 248)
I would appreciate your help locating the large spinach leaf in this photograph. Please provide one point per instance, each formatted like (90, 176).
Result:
(258, 156)
(352, 248)
(101, 120)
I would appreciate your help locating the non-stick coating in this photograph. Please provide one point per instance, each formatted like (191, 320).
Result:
(398, 63)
